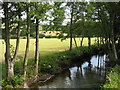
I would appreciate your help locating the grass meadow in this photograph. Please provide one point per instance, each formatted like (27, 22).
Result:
(46, 46)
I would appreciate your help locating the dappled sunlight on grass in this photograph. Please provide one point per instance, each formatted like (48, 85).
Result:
(47, 46)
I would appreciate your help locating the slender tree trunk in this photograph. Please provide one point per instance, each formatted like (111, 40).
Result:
(81, 43)
(112, 16)
(27, 46)
(8, 61)
(84, 29)
(98, 42)
(10, 69)
(98, 62)
(102, 40)
(71, 30)
(70, 41)
(71, 35)
(114, 48)
(89, 41)
(37, 47)
(75, 42)
(18, 37)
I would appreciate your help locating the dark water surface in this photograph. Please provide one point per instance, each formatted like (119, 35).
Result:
(90, 74)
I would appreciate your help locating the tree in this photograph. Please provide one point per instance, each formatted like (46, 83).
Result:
(28, 41)
(42, 8)
(8, 20)
(8, 61)
(107, 18)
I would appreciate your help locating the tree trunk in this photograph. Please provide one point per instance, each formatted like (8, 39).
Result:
(18, 37)
(70, 41)
(112, 16)
(89, 41)
(9, 64)
(98, 42)
(81, 41)
(71, 30)
(27, 46)
(102, 40)
(10, 69)
(98, 62)
(114, 48)
(75, 42)
(10, 61)
(37, 47)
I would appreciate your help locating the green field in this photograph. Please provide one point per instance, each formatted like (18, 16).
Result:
(46, 46)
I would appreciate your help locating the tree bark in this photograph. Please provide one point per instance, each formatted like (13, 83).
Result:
(18, 36)
(37, 47)
(8, 61)
(98, 42)
(84, 29)
(81, 43)
(89, 41)
(27, 46)
(10, 69)
(71, 30)
(75, 42)
(70, 41)
(114, 47)
(112, 16)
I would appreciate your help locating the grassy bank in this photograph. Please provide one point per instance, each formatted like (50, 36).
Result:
(52, 64)
(113, 79)
(113, 74)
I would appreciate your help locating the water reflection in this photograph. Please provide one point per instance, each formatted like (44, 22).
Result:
(87, 75)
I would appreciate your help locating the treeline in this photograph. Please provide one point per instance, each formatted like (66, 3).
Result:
(85, 20)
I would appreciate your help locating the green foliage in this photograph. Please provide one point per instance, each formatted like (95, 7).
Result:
(113, 78)
(3, 70)
(15, 81)
(41, 35)
(30, 68)
(18, 68)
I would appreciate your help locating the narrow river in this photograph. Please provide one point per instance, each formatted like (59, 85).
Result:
(90, 74)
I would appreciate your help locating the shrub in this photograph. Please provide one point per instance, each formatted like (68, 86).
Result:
(48, 36)
(12, 82)
(41, 35)
(113, 78)
(24, 37)
(18, 68)
(13, 36)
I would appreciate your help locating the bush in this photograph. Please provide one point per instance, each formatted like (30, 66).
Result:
(13, 36)
(49, 65)
(3, 73)
(13, 82)
(18, 68)
(24, 37)
(41, 35)
(48, 36)
(113, 78)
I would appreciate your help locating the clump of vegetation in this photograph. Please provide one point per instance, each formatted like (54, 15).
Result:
(13, 82)
(113, 78)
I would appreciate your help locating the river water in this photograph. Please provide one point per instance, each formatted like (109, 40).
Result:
(90, 74)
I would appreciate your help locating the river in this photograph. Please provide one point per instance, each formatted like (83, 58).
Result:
(90, 74)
